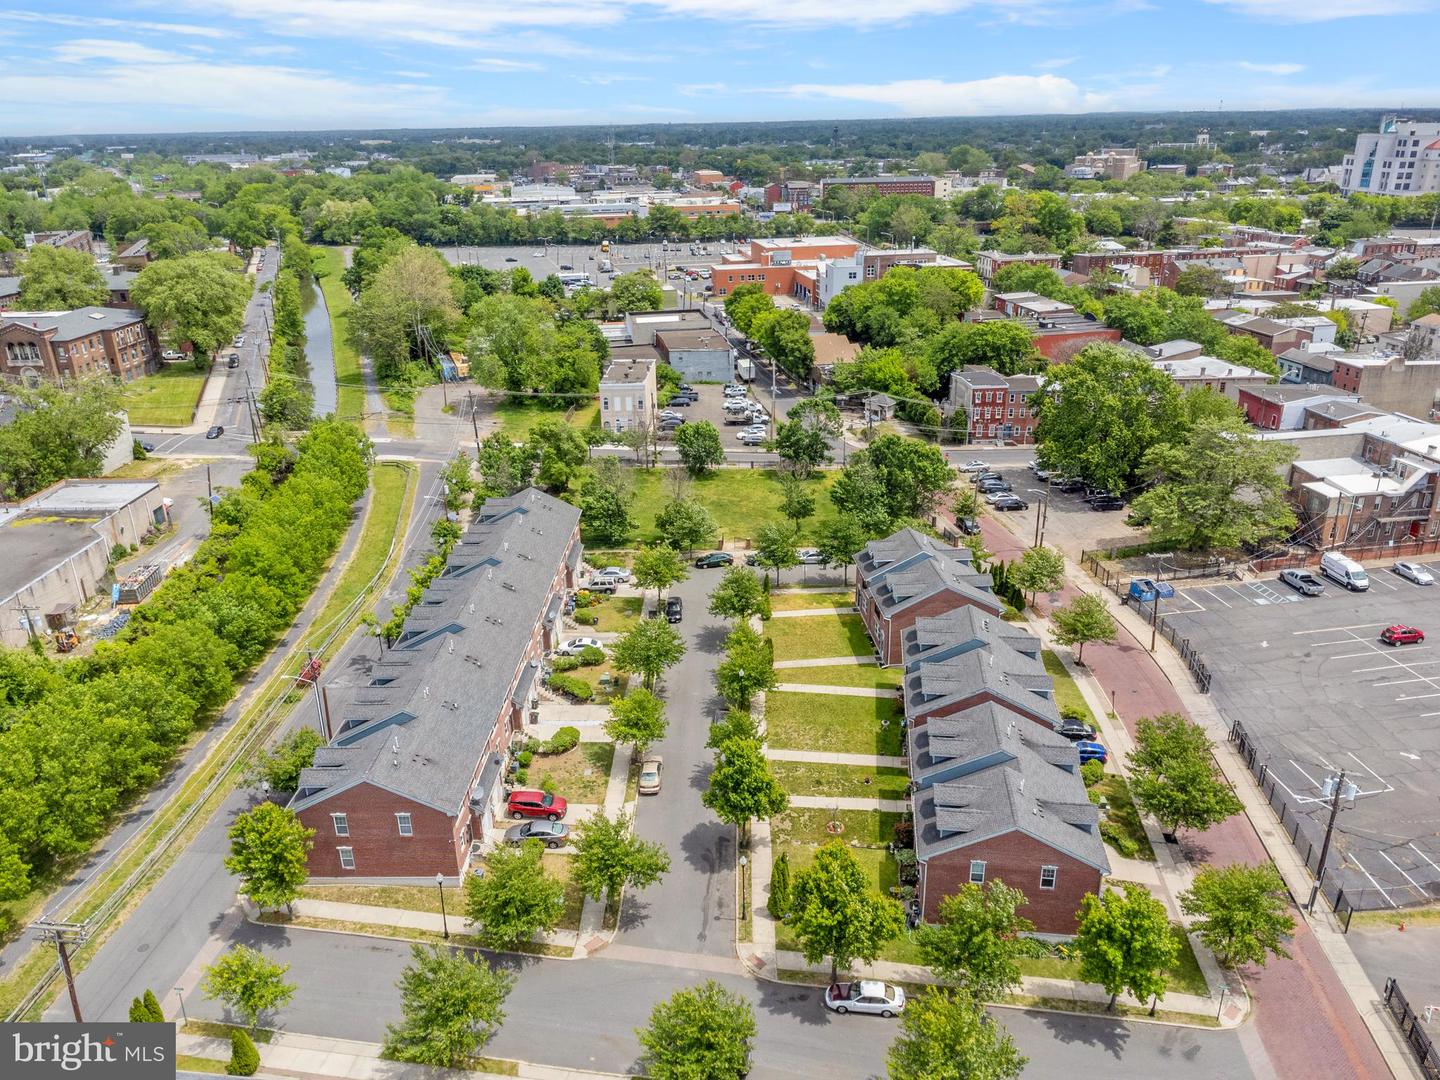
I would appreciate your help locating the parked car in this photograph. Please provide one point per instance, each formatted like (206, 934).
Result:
(810, 557)
(576, 645)
(239, 341)
(1106, 502)
(714, 559)
(1076, 730)
(524, 803)
(674, 608)
(511, 258)
(605, 586)
(995, 487)
(1091, 751)
(968, 525)
(1303, 581)
(1069, 484)
(669, 414)
(1402, 635)
(148, 447)
(1414, 571)
(1010, 502)
(992, 497)
(619, 573)
(566, 266)
(975, 465)
(170, 354)
(988, 474)
(215, 432)
(734, 389)
(650, 770)
(550, 833)
(751, 438)
(865, 996)
(683, 401)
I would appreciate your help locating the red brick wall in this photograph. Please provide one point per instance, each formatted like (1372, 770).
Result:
(1014, 858)
(894, 628)
(438, 845)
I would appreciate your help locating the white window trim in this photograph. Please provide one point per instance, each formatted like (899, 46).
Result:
(341, 822)
(347, 854)
(405, 823)
(1054, 876)
(973, 864)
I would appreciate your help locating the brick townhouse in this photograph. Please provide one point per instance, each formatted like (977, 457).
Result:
(996, 406)
(417, 743)
(909, 575)
(83, 343)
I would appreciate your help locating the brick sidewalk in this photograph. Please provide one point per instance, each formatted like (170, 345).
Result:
(1303, 1015)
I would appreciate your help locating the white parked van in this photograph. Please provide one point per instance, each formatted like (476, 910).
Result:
(1344, 571)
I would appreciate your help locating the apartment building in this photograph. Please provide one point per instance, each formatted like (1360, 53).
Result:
(628, 395)
(1107, 163)
(988, 263)
(1402, 158)
(883, 185)
(89, 341)
(996, 406)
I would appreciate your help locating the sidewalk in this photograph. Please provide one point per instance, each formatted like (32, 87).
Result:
(798, 613)
(823, 661)
(291, 1054)
(825, 757)
(842, 691)
(827, 802)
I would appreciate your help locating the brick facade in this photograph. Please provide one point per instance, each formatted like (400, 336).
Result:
(439, 844)
(1014, 858)
(119, 344)
(888, 635)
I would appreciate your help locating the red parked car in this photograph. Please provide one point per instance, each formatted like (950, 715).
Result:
(1402, 635)
(536, 804)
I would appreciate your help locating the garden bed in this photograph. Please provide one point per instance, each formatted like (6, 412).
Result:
(579, 774)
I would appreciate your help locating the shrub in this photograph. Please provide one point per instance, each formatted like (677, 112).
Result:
(565, 663)
(567, 738)
(152, 1006)
(1118, 839)
(137, 451)
(570, 686)
(532, 745)
(780, 887)
(547, 785)
(118, 552)
(522, 777)
(904, 835)
(590, 656)
(1092, 772)
(1074, 712)
(527, 756)
(586, 618)
(244, 1058)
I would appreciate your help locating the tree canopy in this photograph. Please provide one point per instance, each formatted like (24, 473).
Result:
(198, 298)
(59, 279)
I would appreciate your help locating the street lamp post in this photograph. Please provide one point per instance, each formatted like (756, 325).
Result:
(180, 997)
(444, 924)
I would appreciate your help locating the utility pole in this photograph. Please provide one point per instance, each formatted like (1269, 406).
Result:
(1337, 789)
(209, 494)
(1155, 620)
(475, 426)
(64, 934)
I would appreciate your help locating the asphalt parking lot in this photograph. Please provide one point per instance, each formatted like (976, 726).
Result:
(711, 407)
(1318, 692)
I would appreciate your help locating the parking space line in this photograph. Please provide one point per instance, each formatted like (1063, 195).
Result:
(1353, 655)
(1376, 575)
(1305, 774)
(1357, 862)
(1216, 597)
(1411, 845)
(1333, 629)
(1388, 786)
(1416, 697)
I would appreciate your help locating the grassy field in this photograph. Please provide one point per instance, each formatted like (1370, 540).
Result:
(740, 501)
(330, 263)
(811, 637)
(579, 774)
(1183, 976)
(870, 675)
(391, 495)
(617, 613)
(1067, 694)
(165, 399)
(842, 781)
(518, 418)
(190, 1063)
(845, 725)
(817, 599)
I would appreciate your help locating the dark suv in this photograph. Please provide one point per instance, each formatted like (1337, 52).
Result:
(673, 608)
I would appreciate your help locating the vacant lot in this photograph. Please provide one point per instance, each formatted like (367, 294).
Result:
(167, 398)
(866, 675)
(616, 613)
(817, 599)
(811, 637)
(740, 501)
(518, 419)
(846, 725)
(842, 781)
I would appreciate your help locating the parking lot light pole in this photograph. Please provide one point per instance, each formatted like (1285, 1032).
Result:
(444, 924)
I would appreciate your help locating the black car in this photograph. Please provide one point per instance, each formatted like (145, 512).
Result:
(1010, 502)
(673, 609)
(989, 487)
(566, 266)
(1069, 485)
(681, 400)
(968, 525)
(980, 477)
(215, 432)
(511, 258)
(1106, 502)
(1075, 730)
(714, 559)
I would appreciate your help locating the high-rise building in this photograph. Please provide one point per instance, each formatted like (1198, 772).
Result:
(1402, 159)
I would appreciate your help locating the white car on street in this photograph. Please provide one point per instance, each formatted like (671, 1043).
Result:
(575, 646)
(810, 557)
(1414, 571)
(866, 996)
(975, 466)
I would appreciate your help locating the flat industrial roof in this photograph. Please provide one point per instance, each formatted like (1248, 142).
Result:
(101, 497)
(34, 544)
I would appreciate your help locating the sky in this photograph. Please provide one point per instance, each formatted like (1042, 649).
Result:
(70, 67)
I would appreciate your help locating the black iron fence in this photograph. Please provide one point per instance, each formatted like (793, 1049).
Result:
(1410, 1027)
(1119, 584)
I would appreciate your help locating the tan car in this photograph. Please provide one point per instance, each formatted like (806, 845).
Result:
(650, 770)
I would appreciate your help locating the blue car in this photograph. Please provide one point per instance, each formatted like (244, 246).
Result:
(1092, 751)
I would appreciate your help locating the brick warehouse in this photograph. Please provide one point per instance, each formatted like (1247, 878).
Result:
(412, 772)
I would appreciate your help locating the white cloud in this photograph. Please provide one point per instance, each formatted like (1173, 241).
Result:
(1324, 10)
(703, 89)
(495, 63)
(609, 79)
(413, 74)
(1270, 69)
(979, 97)
(91, 22)
(81, 50)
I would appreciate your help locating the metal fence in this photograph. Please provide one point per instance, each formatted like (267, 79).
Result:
(1119, 584)
(1419, 1040)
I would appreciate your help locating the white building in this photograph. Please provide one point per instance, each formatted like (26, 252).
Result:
(627, 395)
(1402, 159)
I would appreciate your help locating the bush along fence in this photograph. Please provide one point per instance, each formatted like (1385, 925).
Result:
(1119, 584)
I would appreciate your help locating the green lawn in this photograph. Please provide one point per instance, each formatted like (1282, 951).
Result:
(167, 398)
(1183, 976)
(617, 613)
(804, 827)
(390, 501)
(518, 418)
(329, 265)
(879, 867)
(842, 781)
(870, 675)
(1067, 694)
(1122, 816)
(845, 725)
(817, 599)
(579, 774)
(740, 500)
(811, 637)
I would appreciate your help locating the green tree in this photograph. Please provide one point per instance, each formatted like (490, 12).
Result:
(637, 720)
(735, 724)
(685, 523)
(1125, 943)
(1218, 488)
(946, 1035)
(658, 568)
(1245, 351)
(797, 500)
(1427, 303)
(1242, 912)
(1102, 412)
(859, 494)
(285, 301)
(912, 474)
(280, 767)
(647, 649)
(635, 291)
(248, 983)
(1201, 281)
(59, 279)
(1083, 620)
(1040, 569)
(840, 540)
(562, 452)
(605, 500)
(198, 298)
(410, 303)
(742, 788)
(244, 1058)
(269, 849)
(698, 1033)
(784, 335)
(745, 303)
(802, 440)
(748, 667)
(698, 445)
(146, 1009)
(1174, 777)
(609, 856)
(451, 1007)
(779, 902)
(739, 595)
(56, 433)
(1006, 346)
(836, 913)
(978, 939)
(775, 549)
(1342, 268)
(515, 899)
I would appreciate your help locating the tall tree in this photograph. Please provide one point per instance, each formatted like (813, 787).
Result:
(248, 983)
(648, 650)
(739, 595)
(269, 851)
(1124, 942)
(1242, 912)
(742, 788)
(658, 568)
(775, 549)
(698, 1033)
(699, 447)
(839, 541)
(198, 298)
(748, 667)
(1083, 620)
(946, 1035)
(978, 939)
(1006, 346)
(637, 720)
(797, 500)
(280, 767)
(515, 898)
(836, 913)
(451, 1006)
(685, 523)
(56, 433)
(802, 440)
(1174, 775)
(409, 307)
(859, 494)
(59, 279)
(1040, 569)
(605, 500)
(784, 335)
(609, 856)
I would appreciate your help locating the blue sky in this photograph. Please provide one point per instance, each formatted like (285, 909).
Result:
(203, 65)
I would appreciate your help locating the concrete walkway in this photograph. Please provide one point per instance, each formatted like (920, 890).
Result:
(828, 802)
(825, 757)
(291, 1054)
(593, 935)
(841, 691)
(798, 613)
(824, 661)
(429, 921)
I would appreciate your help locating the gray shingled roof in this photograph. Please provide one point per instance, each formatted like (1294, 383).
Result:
(996, 668)
(79, 323)
(418, 722)
(938, 633)
(908, 566)
(9, 286)
(985, 731)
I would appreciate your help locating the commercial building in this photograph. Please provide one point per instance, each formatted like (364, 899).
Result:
(996, 406)
(773, 263)
(1402, 158)
(412, 773)
(703, 355)
(793, 196)
(628, 395)
(883, 185)
(1107, 163)
(90, 341)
